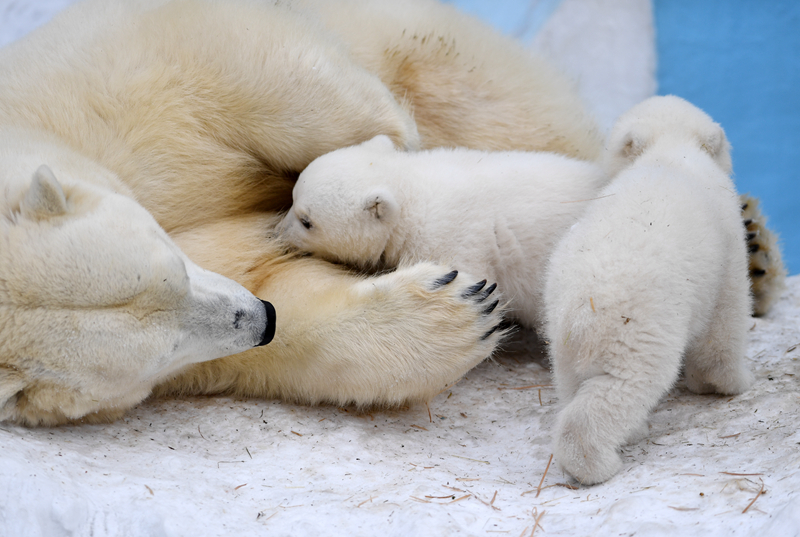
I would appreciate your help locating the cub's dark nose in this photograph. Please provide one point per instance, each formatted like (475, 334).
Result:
(269, 330)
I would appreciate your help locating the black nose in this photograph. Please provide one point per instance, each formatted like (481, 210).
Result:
(269, 330)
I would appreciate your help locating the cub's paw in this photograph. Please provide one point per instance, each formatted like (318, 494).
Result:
(442, 321)
(581, 452)
(725, 378)
(767, 273)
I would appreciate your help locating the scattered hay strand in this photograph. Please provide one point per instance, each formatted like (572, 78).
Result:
(418, 427)
(240, 486)
(461, 498)
(541, 482)
(365, 501)
(201, 433)
(430, 418)
(684, 508)
(468, 459)
(739, 475)
(760, 492)
(149, 490)
(487, 504)
(526, 387)
(591, 303)
(730, 436)
(588, 199)
(295, 432)
(536, 523)
(228, 462)
(248, 451)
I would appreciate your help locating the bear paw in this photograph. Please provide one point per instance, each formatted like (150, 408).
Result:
(436, 324)
(767, 273)
(581, 453)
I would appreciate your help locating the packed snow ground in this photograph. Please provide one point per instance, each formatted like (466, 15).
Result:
(221, 466)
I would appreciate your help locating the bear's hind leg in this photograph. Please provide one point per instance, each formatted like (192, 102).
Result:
(607, 413)
(716, 362)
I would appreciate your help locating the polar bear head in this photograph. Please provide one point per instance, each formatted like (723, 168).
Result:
(344, 204)
(97, 304)
(664, 120)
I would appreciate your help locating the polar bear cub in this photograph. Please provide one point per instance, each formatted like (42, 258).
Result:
(493, 213)
(653, 276)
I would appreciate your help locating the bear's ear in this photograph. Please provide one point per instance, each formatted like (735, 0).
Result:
(714, 143)
(380, 143)
(44, 198)
(381, 205)
(632, 145)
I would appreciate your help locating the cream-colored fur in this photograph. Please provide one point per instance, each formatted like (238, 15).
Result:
(466, 85)
(498, 214)
(207, 111)
(652, 278)
(97, 304)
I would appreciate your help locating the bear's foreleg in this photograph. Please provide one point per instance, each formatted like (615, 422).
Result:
(342, 338)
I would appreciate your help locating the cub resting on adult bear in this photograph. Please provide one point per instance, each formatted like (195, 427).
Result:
(205, 112)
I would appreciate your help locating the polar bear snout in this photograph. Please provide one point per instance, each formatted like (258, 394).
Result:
(269, 329)
(260, 321)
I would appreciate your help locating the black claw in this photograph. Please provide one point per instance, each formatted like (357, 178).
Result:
(489, 290)
(748, 222)
(485, 336)
(744, 207)
(490, 308)
(444, 280)
(758, 272)
(754, 248)
(473, 289)
(751, 236)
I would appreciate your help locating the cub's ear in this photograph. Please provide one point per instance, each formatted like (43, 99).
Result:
(714, 143)
(632, 145)
(381, 143)
(380, 203)
(44, 198)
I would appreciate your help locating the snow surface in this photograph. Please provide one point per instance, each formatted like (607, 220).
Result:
(222, 466)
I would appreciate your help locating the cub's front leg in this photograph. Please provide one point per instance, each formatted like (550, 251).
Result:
(343, 338)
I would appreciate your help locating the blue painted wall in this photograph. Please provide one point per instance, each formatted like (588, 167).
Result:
(740, 61)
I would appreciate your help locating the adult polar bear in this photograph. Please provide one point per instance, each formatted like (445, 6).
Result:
(204, 112)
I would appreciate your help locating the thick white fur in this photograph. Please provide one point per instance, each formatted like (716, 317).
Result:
(204, 112)
(654, 276)
(97, 304)
(497, 214)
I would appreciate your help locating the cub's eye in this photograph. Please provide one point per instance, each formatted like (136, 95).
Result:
(306, 222)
